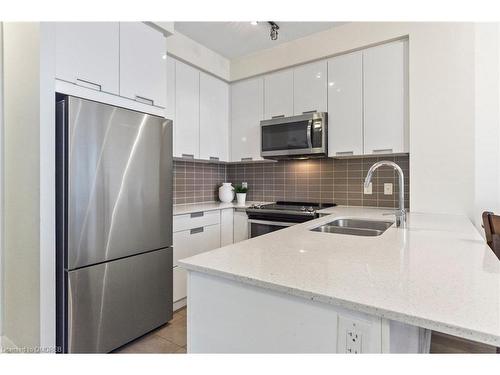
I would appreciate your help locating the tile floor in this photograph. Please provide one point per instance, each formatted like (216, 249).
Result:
(170, 338)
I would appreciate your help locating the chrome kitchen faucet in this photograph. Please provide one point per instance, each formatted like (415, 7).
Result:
(400, 212)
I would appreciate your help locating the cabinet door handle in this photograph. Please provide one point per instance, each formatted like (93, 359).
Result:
(278, 116)
(89, 84)
(246, 159)
(214, 158)
(188, 156)
(196, 230)
(344, 153)
(383, 150)
(306, 112)
(197, 214)
(142, 99)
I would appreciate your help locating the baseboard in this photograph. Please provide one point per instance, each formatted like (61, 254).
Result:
(180, 304)
(7, 345)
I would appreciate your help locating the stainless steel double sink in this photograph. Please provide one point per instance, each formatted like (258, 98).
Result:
(355, 227)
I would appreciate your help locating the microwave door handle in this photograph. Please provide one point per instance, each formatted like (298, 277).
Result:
(309, 130)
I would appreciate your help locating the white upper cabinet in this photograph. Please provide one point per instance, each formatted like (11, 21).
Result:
(87, 53)
(214, 121)
(247, 110)
(187, 111)
(278, 94)
(310, 88)
(385, 98)
(143, 71)
(345, 105)
(170, 107)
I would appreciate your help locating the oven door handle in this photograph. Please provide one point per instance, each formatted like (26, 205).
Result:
(275, 223)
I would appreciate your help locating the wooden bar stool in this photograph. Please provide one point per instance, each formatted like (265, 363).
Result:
(491, 224)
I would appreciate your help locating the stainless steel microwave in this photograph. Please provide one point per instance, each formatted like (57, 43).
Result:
(294, 137)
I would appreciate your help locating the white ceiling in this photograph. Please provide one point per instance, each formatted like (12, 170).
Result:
(236, 39)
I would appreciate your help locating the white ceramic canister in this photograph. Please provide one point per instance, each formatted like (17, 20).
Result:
(226, 192)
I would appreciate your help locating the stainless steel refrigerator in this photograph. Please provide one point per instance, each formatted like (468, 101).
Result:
(114, 224)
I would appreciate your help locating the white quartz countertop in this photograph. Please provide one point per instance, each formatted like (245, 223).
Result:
(181, 209)
(437, 274)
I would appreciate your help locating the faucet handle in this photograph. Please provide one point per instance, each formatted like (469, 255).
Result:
(397, 212)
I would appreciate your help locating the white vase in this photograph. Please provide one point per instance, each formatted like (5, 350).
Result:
(241, 198)
(226, 192)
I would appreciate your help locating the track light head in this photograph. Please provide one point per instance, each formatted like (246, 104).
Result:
(274, 30)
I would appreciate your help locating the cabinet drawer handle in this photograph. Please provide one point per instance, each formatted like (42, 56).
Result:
(89, 84)
(278, 116)
(383, 150)
(214, 158)
(188, 156)
(246, 159)
(142, 99)
(344, 153)
(197, 214)
(196, 230)
(306, 112)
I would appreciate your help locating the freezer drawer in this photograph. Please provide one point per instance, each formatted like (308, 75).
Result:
(112, 303)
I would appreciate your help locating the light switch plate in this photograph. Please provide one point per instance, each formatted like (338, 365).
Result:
(368, 190)
(244, 184)
(388, 189)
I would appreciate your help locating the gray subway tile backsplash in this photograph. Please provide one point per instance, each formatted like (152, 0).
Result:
(316, 180)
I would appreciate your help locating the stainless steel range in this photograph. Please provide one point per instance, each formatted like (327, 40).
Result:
(268, 218)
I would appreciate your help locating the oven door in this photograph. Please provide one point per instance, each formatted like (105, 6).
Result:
(294, 136)
(259, 227)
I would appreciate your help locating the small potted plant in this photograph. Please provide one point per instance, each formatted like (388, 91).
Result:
(241, 194)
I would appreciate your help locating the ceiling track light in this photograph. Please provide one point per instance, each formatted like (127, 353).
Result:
(274, 30)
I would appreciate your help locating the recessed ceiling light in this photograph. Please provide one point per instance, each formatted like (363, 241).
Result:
(254, 23)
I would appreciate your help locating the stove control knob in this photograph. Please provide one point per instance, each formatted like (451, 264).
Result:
(310, 209)
(302, 208)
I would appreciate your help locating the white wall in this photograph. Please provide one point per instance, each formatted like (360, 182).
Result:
(441, 99)
(1, 185)
(487, 119)
(29, 291)
(186, 49)
(22, 199)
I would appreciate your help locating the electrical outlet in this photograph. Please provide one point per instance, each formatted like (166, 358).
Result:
(244, 185)
(352, 334)
(388, 189)
(353, 341)
(368, 190)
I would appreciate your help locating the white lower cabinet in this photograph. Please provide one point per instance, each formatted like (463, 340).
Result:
(197, 232)
(180, 285)
(226, 227)
(240, 231)
(194, 233)
(195, 241)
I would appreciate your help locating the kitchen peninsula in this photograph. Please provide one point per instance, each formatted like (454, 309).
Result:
(297, 290)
